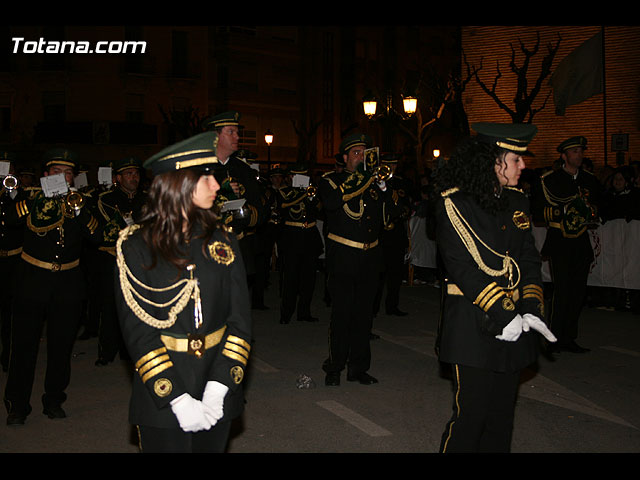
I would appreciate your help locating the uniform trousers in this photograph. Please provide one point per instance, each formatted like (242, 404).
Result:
(7, 267)
(391, 278)
(484, 405)
(62, 320)
(352, 298)
(299, 264)
(570, 263)
(109, 336)
(60, 311)
(175, 440)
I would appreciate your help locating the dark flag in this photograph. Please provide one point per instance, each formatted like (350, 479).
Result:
(579, 75)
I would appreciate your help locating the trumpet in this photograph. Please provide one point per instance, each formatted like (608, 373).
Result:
(382, 173)
(75, 201)
(10, 183)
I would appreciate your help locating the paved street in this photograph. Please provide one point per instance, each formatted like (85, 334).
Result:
(578, 403)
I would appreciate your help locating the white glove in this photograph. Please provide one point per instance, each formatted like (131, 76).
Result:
(190, 413)
(512, 331)
(382, 185)
(531, 321)
(213, 401)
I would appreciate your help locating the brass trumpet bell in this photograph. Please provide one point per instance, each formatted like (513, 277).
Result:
(10, 183)
(382, 173)
(74, 201)
(312, 191)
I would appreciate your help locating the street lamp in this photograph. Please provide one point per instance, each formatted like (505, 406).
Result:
(369, 104)
(409, 104)
(268, 138)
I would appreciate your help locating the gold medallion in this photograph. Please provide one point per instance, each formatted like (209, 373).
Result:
(508, 304)
(237, 374)
(162, 387)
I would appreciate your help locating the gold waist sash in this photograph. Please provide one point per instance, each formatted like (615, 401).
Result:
(351, 243)
(52, 266)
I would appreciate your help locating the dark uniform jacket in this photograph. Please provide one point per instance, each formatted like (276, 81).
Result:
(118, 209)
(11, 238)
(354, 206)
(236, 170)
(297, 214)
(250, 189)
(53, 240)
(11, 235)
(172, 359)
(478, 303)
(567, 206)
(394, 234)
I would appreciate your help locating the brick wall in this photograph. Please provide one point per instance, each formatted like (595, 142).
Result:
(622, 82)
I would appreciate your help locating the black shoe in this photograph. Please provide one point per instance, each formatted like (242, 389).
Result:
(284, 320)
(396, 311)
(259, 307)
(363, 378)
(54, 412)
(307, 319)
(101, 362)
(373, 336)
(573, 347)
(16, 418)
(332, 379)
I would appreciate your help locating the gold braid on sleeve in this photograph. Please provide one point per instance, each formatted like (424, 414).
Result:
(179, 301)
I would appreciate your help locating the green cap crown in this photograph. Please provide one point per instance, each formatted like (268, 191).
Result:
(572, 142)
(514, 137)
(124, 163)
(226, 119)
(355, 140)
(60, 156)
(197, 152)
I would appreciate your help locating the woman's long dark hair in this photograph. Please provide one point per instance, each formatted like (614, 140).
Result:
(169, 200)
(471, 168)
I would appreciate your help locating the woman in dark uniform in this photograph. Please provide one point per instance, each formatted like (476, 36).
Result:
(183, 305)
(493, 302)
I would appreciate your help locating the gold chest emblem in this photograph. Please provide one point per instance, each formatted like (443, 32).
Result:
(521, 220)
(221, 253)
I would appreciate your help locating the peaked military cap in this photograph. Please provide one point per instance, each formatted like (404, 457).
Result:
(126, 162)
(276, 169)
(60, 156)
(572, 142)
(298, 168)
(27, 171)
(390, 158)
(226, 119)
(514, 137)
(355, 140)
(198, 152)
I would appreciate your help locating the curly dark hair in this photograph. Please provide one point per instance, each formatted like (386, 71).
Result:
(471, 168)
